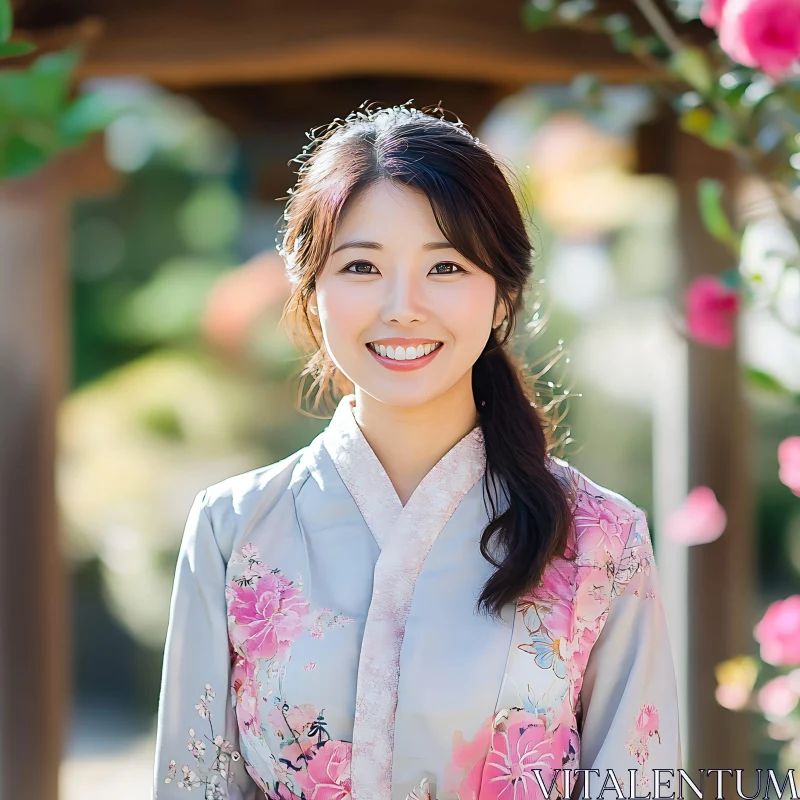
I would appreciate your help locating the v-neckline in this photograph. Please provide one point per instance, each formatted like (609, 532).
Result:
(369, 484)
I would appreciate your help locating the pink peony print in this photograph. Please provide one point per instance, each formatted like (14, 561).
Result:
(789, 461)
(327, 773)
(647, 721)
(711, 13)
(711, 309)
(779, 632)
(502, 761)
(265, 617)
(701, 519)
(245, 690)
(601, 523)
(762, 33)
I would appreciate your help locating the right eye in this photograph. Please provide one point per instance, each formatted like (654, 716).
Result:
(361, 268)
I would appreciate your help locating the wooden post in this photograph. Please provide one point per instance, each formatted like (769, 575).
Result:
(722, 573)
(34, 367)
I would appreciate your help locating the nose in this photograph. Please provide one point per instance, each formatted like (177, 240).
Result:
(404, 301)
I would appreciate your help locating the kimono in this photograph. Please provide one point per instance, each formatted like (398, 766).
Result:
(324, 644)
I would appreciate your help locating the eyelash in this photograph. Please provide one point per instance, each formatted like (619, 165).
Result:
(451, 263)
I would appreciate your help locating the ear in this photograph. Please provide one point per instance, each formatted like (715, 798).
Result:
(312, 304)
(499, 315)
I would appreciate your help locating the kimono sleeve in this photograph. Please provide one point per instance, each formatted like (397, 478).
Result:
(197, 741)
(628, 709)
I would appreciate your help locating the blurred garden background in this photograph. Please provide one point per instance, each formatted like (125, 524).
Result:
(144, 152)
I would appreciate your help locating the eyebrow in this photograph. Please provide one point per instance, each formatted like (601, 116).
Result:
(378, 246)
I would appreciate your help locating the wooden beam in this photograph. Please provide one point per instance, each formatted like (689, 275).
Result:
(183, 44)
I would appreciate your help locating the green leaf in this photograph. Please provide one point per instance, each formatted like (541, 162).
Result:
(720, 133)
(19, 157)
(13, 49)
(691, 64)
(763, 380)
(709, 195)
(6, 20)
(697, 121)
(537, 15)
(86, 115)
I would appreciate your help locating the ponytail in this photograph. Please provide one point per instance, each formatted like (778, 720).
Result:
(534, 527)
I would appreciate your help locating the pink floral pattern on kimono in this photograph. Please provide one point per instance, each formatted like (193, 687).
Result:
(245, 690)
(267, 614)
(504, 758)
(327, 775)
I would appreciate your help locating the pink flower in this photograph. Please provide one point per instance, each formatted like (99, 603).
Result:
(777, 697)
(647, 720)
(699, 520)
(762, 33)
(600, 522)
(518, 747)
(327, 774)
(711, 13)
(245, 689)
(266, 616)
(779, 632)
(789, 460)
(711, 308)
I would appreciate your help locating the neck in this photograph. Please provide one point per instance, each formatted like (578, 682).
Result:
(410, 441)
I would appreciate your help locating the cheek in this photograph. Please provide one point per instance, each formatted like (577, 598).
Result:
(344, 313)
(470, 315)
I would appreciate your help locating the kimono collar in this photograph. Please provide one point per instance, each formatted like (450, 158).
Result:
(368, 483)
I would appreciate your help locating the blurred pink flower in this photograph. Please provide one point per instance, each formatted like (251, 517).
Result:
(711, 308)
(701, 519)
(777, 697)
(779, 632)
(711, 13)
(789, 461)
(762, 33)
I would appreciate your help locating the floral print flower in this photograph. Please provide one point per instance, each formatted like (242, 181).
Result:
(519, 747)
(245, 690)
(327, 776)
(600, 523)
(265, 617)
(214, 775)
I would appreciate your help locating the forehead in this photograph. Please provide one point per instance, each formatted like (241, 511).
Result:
(387, 209)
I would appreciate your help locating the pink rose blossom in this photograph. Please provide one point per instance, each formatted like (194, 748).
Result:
(300, 717)
(647, 720)
(789, 461)
(777, 697)
(762, 33)
(701, 519)
(711, 308)
(267, 616)
(327, 774)
(711, 13)
(779, 632)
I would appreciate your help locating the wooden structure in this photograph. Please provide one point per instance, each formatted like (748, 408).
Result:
(266, 67)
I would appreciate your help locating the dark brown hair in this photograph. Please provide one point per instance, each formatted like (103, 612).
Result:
(478, 213)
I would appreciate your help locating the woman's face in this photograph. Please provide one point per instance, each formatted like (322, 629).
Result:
(403, 315)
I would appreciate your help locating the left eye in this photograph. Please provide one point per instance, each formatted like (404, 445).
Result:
(450, 268)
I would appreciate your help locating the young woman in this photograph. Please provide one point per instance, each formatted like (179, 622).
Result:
(422, 603)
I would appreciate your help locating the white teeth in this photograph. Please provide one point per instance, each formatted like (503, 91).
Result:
(405, 353)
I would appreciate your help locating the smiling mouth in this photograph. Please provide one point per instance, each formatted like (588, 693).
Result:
(400, 353)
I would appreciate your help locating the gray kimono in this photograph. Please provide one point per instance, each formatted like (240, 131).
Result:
(323, 642)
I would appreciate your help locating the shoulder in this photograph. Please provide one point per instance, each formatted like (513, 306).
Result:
(605, 522)
(237, 502)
